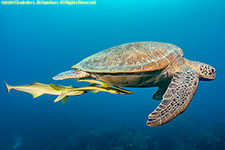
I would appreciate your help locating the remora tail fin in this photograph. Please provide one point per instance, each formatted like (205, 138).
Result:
(8, 87)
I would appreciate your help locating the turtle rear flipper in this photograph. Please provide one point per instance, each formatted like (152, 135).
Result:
(176, 98)
(72, 74)
(161, 91)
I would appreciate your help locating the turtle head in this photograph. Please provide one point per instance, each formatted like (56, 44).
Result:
(206, 72)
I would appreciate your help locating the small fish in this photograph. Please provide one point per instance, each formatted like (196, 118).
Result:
(102, 87)
(37, 89)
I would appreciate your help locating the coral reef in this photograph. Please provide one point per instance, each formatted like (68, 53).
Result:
(170, 137)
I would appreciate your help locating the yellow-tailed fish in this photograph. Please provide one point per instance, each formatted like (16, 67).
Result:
(37, 89)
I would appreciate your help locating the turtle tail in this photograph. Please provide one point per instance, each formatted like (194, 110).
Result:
(71, 74)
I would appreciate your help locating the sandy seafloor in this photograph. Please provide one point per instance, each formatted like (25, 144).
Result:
(39, 41)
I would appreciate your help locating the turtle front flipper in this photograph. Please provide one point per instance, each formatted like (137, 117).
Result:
(176, 98)
(72, 74)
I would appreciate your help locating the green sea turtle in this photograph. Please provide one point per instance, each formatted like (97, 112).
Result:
(147, 64)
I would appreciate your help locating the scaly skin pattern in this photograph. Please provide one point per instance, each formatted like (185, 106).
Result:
(178, 94)
(185, 76)
(78, 74)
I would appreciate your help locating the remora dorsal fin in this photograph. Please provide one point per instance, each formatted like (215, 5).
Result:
(56, 87)
(36, 83)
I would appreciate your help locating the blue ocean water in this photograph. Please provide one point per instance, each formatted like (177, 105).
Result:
(39, 41)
